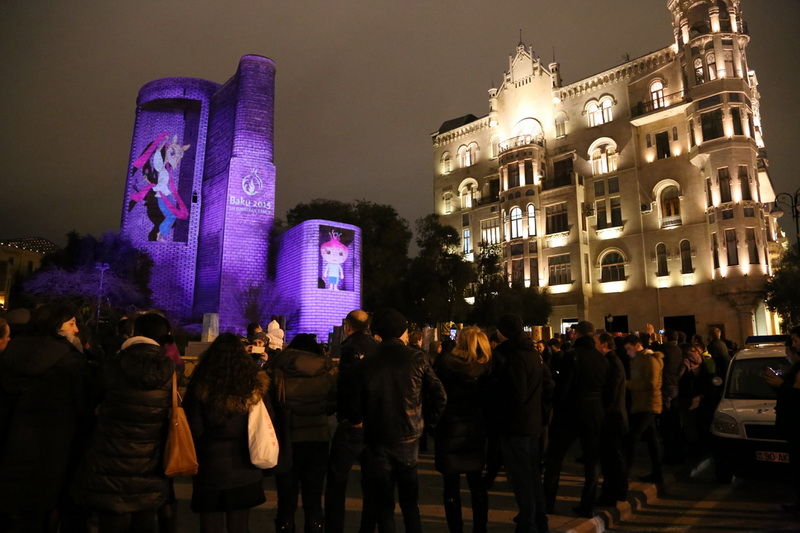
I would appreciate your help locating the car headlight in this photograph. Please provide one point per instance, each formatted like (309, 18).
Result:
(725, 424)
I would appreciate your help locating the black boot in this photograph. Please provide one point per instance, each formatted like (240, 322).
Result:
(284, 527)
(480, 512)
(452, 511)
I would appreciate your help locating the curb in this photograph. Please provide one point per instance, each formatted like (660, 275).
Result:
(639, 495)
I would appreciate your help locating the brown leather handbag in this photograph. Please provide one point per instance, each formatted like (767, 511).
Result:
(180, 458)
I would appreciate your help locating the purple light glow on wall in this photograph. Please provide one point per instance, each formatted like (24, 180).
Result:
(299, 277)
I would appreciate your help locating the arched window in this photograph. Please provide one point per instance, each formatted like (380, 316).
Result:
(516, 222)
(670, 207)
(661, 260)
(467, 155)
(561, 125)
(612, 267)
(711, 61)
(531, 221)
(605, 107)
(446, 163)
(686, 257)
(603, 155)
(657, 94)
(699, 76)
(595, 116)
(495, 147)
(468, 193)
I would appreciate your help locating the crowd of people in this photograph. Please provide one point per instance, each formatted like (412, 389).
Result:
(83, 435)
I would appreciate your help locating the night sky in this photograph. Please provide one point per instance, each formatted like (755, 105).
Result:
(360, 87)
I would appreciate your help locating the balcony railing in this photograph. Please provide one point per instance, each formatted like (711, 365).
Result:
(656, 104)
(522, 140)
(671, 221)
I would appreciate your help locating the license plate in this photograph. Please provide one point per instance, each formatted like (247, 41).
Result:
(772, 457)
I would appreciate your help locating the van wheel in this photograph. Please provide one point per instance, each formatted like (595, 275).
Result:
(722, 469)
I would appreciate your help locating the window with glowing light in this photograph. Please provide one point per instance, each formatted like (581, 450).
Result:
(531, 220)
(446, 163)
(516, 223)
(490, 231)
(467, 241)
(594, 114)
(686, 257)
(657, 94)
(448, 202)
(604, 158)
(711, 61)
(605, 109)
(670, 207)
(612, 267)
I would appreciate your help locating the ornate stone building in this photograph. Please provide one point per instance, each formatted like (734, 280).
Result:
(640, 194)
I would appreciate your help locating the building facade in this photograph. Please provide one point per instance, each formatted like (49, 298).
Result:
(638, 195)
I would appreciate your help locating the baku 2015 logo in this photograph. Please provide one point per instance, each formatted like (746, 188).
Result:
(251, 183)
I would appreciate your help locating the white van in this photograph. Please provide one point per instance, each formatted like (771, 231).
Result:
(743, 429)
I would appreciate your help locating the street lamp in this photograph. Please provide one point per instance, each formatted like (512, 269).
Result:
(793, 203)
(102, 267)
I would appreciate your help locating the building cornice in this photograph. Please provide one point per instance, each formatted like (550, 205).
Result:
(647, 63)
(452, 135)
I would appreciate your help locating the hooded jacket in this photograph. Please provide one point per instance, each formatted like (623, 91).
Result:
(645, 383)
(122, 470)
(43, 408)
(309, 391)
(461, 432)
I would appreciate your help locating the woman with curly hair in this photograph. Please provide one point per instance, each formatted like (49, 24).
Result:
(224, 386)
(461, 432)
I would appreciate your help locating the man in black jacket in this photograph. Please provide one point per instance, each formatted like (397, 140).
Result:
(348, 441)
(521, 388)
(579, 412)
(394, 384)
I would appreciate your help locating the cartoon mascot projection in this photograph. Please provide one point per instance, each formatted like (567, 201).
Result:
(159, 164)
(334, 254)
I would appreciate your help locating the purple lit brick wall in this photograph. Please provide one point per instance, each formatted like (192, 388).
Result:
(239, 193)
(178, 107)
(298, 279)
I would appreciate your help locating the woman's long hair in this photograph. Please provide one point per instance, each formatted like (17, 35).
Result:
(473, 345)
(46, 320)
(226, 379)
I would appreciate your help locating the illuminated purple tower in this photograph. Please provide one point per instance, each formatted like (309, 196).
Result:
(200, 199)
(238, 192)
(203, 152)
(319, 275)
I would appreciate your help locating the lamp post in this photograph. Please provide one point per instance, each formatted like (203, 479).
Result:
(793, 203)
(102, 267)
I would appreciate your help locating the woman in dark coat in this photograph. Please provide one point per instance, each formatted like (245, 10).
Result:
(121, 476)
(302, 382)
(461, 432)
(224, 386)
(44, 409)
